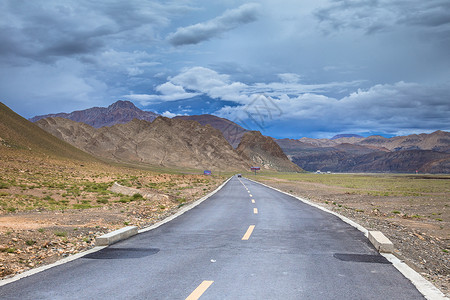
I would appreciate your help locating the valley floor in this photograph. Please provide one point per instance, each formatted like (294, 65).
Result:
(413, 211)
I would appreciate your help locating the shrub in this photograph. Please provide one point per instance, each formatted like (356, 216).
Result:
(102, 200)
(137, 196)
(8, 250)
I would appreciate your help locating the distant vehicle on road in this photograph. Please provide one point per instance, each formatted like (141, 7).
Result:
(239, 175)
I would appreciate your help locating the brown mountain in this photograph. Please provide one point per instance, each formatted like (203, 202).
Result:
(437, 141)
(423, 152)
(167, 142)
(19, 134)
(230, 130)
(264, 152)
(119, 112)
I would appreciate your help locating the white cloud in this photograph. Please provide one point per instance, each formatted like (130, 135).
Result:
(220, 86)
(169, 92)
(168, 114)
(229, 20)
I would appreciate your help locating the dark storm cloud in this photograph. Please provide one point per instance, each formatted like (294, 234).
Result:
(229, 20)
(43, 30)
(372, 16)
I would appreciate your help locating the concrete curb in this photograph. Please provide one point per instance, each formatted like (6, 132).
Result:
(426, 288)
(381, 242)
(116, 236)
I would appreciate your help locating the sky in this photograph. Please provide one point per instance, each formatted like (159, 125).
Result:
(310, 68)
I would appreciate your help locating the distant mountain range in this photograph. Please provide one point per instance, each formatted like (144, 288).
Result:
(426, 153)
(338, 136)
(342, 153)
(120, 112)
(179, 142)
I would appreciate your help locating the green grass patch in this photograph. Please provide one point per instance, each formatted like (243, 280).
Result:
(82, 206)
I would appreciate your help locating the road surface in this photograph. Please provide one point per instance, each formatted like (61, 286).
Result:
(245, 242)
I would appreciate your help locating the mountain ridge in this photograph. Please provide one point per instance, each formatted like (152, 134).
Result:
(119, 112)
(166, 142)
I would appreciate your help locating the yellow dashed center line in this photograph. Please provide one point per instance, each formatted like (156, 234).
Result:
(255, 210)
(253, 200)
(251, 195)
(248, 233)
(199, 290)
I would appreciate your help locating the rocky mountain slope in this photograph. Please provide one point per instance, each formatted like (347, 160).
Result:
(166, 142)
(19, 134)
(230, 130)
(119, 112)
(428, 153)
(264, 152)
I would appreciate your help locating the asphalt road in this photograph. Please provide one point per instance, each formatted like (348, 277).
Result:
(293, 252)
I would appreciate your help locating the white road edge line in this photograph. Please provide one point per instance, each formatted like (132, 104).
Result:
(98, 248)
(426, 288)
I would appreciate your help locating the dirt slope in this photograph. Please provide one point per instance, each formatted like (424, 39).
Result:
(231, 131)
(20, 134)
